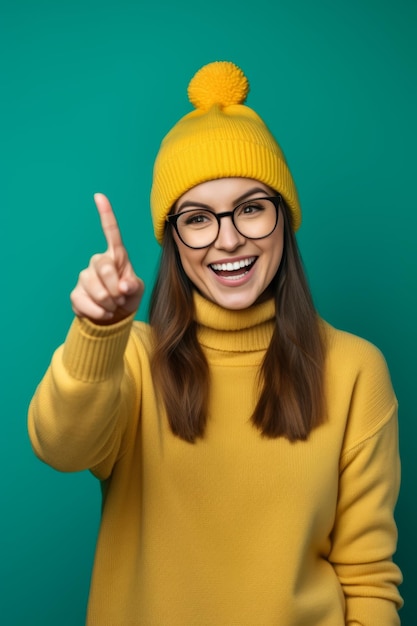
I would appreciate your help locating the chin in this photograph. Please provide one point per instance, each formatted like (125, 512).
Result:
(235, 303)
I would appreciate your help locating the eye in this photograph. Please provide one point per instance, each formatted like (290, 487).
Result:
(250, 209)
(196, 219)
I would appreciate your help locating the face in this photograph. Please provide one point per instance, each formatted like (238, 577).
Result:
(258, 260)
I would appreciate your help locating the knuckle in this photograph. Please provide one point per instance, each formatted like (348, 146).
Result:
(73, 299)
(102, 298)
(82, 275)
(75, 294)
(106, 269)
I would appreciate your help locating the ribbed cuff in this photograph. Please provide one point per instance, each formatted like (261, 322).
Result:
(91, 352)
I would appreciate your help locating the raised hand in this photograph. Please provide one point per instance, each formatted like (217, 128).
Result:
(108, 290)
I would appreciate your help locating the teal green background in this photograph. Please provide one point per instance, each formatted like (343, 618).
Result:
(88, 89)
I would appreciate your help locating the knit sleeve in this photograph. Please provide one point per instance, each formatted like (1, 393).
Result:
(365, 535)
(80, 411)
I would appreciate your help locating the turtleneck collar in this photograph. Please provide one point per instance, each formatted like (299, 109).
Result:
(228, 330)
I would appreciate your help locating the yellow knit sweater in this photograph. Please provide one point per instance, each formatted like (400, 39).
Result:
(237, 529)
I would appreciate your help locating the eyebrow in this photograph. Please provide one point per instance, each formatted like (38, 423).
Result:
(242, 198)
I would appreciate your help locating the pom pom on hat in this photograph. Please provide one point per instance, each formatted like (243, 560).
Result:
(221, 83)
(221, 138)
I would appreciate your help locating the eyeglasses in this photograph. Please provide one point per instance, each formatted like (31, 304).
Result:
(254, 219)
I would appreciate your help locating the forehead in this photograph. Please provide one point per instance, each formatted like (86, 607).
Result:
(225, 190)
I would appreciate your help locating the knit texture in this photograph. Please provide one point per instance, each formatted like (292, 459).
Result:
(236, 529)
(221, 138)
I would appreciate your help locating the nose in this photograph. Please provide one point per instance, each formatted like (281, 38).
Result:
(228, 238)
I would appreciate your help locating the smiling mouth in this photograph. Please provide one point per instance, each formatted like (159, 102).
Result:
(234, 270)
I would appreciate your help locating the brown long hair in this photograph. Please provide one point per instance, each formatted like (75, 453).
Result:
(291, 396)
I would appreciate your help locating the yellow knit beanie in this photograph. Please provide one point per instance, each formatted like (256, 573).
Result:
(221, 138)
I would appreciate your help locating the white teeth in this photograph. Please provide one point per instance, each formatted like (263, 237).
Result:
(229, 267)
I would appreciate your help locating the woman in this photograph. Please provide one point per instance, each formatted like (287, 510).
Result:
(247, 450)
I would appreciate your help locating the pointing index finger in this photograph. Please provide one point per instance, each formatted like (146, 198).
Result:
(108, 222)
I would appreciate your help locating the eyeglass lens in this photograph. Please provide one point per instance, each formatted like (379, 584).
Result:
(254, 219)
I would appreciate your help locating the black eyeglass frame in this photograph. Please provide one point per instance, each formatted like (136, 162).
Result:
(173, 218)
